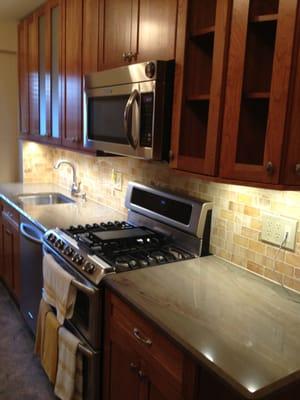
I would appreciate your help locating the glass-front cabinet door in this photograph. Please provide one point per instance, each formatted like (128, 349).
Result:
(258, 78)
(44, 66)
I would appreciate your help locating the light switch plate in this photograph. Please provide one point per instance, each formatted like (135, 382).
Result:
(274, 229)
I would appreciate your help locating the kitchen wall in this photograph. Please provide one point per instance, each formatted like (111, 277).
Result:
(237, 210)
(9, 102)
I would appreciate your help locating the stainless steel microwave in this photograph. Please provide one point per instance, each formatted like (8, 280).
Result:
(127, 110)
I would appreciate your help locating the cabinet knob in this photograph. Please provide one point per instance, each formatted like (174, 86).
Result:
(141, 374)
(171, 156)
(270, 168)
(131, 56)
(75, 140)
(133, 366)
(125, 56)
(297, 169)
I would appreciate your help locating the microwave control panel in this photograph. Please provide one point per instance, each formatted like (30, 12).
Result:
(147, 106)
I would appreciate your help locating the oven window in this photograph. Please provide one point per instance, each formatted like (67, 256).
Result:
(82, 310)
(106, 119)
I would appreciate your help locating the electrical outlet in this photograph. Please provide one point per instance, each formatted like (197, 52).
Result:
(274, 229)
(117, 179)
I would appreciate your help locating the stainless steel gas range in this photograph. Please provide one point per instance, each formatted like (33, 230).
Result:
(161, 228)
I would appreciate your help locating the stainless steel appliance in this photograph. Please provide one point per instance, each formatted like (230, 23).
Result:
(127, 110)
(161, 228)
(31, 271)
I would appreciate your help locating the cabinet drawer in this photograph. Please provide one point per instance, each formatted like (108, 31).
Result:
(11, 215)
(148, 342)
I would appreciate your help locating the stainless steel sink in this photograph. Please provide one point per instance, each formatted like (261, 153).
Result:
(41, 199)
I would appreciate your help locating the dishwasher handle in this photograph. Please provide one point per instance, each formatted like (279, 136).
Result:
(31, 233)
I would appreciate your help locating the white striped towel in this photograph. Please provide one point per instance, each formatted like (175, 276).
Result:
(58, 289)
(68, 385)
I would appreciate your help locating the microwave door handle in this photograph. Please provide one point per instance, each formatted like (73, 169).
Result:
(128, 118)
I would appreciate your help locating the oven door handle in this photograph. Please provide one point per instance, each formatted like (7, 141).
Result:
(135, 96)
(87, 290)
(84, 350)
(25, 229)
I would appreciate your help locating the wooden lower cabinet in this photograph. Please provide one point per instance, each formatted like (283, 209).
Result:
(140, 362)
(9, 247)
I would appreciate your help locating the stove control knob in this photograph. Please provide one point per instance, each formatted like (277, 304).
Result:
(68, 251)
(77, 259)
(89, 268)
(51, 238)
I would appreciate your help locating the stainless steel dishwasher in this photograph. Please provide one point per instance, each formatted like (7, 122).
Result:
(31, 251)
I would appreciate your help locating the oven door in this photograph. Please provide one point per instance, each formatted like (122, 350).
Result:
(92, 367)
(120, 119)
(88, 310)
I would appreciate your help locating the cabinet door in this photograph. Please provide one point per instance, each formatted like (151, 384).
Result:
(202, 37)
(123, 373)
(8, 255)
(11, 260)
(72, 62)
(91, 33)
(1, 244)
(53, 71)
(23, 76)
(156, 30)
(260, 53)
(33, 72)
(119, 33)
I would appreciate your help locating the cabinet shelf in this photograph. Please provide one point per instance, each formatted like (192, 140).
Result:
(203, 32)
(257, 95)
(264, 18)
(199, 97)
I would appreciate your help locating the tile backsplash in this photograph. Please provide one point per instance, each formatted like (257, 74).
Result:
(237, 209)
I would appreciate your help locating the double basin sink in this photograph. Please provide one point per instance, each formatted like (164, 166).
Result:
(42, 199)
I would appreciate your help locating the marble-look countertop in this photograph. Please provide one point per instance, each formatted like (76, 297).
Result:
(58, 215)
(243, 327)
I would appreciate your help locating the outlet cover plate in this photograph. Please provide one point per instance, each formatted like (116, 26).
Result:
(274, 228)
(117, 179)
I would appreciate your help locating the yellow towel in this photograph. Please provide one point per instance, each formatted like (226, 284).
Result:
(50, 346)
(40, 327)
(68, 385)
(58, 289)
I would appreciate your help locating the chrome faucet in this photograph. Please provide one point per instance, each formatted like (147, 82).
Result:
(75, 188)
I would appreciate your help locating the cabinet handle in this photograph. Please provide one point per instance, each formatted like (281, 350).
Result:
(270, 168)
(297, 169)
(75, 140)
(144, 340)
(141, 375)
(133, 366)
(125, 56)
(131, 56)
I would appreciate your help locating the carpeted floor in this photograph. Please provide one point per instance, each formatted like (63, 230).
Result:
(21, 376)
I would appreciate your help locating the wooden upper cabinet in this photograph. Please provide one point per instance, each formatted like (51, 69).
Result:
(119, 32)
(72, 66)
(91, 34)
(54, 70)
(33, 73)
(156, 30)
(136, 31)
(259, 71)
(23, 77)
(39, 73)
(202, 37)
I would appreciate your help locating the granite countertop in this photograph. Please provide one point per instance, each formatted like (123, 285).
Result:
(58, 215)
(243, 327)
